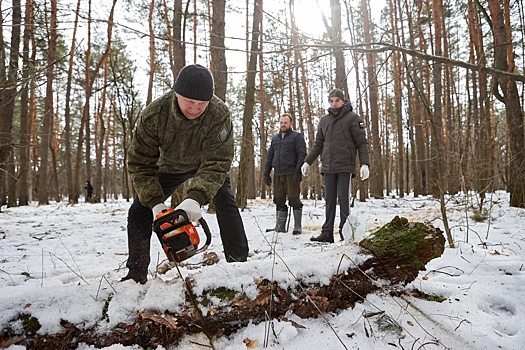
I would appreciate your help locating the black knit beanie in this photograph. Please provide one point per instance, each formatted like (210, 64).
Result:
(195, 82)
(337, 92)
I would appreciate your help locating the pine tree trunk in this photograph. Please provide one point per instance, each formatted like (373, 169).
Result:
(47, 124)
(507, 92)
(247, 145)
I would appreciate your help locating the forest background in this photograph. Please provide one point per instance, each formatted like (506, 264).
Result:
(439, 84)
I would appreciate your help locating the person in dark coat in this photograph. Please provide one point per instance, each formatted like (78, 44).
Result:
(340, 135)
(286, 155)
(89, 190)
(185, 134)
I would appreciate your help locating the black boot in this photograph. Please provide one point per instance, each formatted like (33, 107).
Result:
(282, 215)
(138, 279)
(280, 221)
(324, 237)
(297, 216)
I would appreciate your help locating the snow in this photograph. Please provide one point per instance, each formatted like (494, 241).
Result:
(62, 262)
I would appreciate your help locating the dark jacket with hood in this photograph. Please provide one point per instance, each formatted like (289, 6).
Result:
(286, 154)
(165, 141)
(339, 137)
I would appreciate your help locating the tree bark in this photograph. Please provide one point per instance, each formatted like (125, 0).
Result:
(247, 146)
(47, 124)
(218, 67)
(25, 120)
(507, 92)
(90, 77)
(8, 91)
(376, 167)
(67, 110)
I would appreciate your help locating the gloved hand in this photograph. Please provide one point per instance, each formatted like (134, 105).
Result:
(298, 177)
(365, 173)
(304, 168)
(267, 180)
(157, 209)
(192, 209)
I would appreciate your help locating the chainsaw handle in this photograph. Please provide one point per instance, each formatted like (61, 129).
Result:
(207, 232)
(172, 218)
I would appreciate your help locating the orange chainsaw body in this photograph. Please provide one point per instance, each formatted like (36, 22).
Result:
(178, 236)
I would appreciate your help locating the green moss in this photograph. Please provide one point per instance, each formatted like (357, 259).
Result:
(436, 298)
(31, 325)
(222, 293)
(399, 238)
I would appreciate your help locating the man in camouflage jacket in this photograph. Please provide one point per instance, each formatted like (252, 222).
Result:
(185, 134)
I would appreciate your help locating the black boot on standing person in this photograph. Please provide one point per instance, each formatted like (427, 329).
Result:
(327, 237)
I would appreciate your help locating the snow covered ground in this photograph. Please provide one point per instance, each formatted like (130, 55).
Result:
(62, 262)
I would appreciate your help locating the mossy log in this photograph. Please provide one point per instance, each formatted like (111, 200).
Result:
(398, 251)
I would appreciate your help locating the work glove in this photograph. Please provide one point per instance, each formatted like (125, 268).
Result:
(365, 173)
(157, 209)
(297, 177)
(304, 168)
(267, 180)
(192, 209)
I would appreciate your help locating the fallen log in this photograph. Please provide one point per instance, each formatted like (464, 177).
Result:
(396, 253)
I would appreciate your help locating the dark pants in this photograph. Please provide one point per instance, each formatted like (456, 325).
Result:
(286, 186)
(140, 220)
(336, 186)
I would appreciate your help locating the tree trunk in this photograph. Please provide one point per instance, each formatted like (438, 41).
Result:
(152, 63)
(507, 92)
(398, 103)
(47, 124)
(90, 77)
(67, 111)
(436, 162)
(8, 91)
(218, 67)
(376, 167)
(100, 139)
(25, 120)
(247, 145)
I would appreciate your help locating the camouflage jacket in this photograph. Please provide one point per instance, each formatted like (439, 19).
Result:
(165, 141)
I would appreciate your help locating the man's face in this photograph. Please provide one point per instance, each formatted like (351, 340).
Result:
(336, 102)
(191, 109)
(285, 124)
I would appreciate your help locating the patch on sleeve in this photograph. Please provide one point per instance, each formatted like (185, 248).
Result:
(361, 125)
(223, 134)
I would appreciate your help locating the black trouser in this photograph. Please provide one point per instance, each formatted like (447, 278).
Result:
(336, 186)
(140, 219)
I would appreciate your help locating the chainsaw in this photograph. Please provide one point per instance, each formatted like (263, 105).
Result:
(178, 236)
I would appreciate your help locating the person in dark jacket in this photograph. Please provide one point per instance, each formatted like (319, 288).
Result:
(185, 134)
(89, 191)
(286, 155)
(340, 135)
